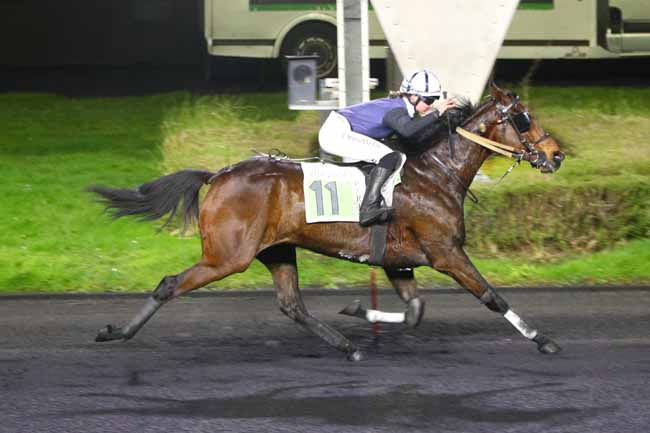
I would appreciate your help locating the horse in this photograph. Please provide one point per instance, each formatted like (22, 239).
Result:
(255, 209)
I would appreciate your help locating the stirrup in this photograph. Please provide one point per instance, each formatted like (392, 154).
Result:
(378, 215)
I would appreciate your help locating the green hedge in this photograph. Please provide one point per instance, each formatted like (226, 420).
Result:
(579, 218)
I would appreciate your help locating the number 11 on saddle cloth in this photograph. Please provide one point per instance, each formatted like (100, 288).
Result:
(334, 193)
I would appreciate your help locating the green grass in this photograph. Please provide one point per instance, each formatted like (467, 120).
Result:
(600, 197)
(603, 131)
(55, 239)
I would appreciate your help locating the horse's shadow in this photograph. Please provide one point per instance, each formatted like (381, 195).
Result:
(342, 404)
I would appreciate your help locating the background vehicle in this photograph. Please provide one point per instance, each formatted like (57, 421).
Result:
(547, 29)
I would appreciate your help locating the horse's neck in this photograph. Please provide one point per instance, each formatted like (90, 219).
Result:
(463, 157)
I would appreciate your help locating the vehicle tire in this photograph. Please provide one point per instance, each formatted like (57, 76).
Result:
(313, 39)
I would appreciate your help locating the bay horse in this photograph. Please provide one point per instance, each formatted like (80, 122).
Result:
(255, 210)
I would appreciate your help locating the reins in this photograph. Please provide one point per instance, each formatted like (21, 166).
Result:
(494, 146)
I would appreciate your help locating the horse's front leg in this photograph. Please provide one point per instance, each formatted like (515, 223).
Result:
(455, 263)
(404, 283)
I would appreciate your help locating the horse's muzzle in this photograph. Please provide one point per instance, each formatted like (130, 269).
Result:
(539, 160)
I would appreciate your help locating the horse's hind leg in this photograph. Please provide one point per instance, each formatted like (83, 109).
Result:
(456, 264)
(169, 288)
(281, 261)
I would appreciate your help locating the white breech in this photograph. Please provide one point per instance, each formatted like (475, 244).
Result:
(336, 137)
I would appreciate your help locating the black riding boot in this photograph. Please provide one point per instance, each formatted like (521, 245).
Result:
(371, 211)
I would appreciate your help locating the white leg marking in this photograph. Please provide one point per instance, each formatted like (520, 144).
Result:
(521, 326)
(379, 316)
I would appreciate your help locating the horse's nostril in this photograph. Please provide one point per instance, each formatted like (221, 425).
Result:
(558, 156)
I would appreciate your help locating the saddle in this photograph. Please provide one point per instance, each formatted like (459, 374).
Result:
(365, 167)
(334, 192)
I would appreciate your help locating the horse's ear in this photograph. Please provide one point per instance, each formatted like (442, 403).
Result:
(495, 90)
(499, 95)
(492, 85)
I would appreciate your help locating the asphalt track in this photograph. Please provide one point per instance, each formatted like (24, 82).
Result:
(234, 363)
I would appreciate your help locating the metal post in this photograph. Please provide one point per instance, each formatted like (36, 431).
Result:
(354, 63)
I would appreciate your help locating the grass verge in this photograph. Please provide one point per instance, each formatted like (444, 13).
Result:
(586, 224)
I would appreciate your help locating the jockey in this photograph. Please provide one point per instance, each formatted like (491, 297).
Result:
(353, 133)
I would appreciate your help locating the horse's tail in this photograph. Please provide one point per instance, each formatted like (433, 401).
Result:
(155, 199)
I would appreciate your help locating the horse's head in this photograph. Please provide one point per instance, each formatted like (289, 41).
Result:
(516, 127)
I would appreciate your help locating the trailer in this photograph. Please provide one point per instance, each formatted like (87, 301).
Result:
(541, 29)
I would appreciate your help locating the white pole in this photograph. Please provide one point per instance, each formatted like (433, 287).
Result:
(354, 62)
(340, 37)
(365, 56)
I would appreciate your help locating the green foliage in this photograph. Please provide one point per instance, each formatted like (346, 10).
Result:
(599, 198)
(589, 222)
(587, 217)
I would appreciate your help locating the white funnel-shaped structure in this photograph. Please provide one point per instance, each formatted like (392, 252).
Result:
(458, 40)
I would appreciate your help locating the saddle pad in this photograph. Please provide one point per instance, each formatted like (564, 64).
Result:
(332, 192)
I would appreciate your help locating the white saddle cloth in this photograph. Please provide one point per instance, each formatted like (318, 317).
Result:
(334, 193)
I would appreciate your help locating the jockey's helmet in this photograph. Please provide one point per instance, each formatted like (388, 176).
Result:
(421, 83)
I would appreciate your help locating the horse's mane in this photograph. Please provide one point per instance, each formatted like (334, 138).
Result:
(474, 111)
(465, 109)
(429, 138)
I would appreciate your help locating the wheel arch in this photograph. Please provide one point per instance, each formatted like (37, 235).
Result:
(303, 20)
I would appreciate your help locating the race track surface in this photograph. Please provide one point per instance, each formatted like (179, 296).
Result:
(234, 363)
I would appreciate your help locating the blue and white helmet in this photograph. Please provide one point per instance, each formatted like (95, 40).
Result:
(421, 83)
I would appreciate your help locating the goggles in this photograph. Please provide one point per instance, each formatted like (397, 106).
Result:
(428, 99)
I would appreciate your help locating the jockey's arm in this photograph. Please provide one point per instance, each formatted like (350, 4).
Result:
(399, 120)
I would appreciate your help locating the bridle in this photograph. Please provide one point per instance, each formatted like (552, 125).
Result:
(521, 123)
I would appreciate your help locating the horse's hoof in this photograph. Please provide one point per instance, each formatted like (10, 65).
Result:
(355, 310)
(546, 346)
(414, 312)
(109, 333)
(355, 356)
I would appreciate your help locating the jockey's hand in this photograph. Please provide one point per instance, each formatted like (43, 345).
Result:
(443, 105)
